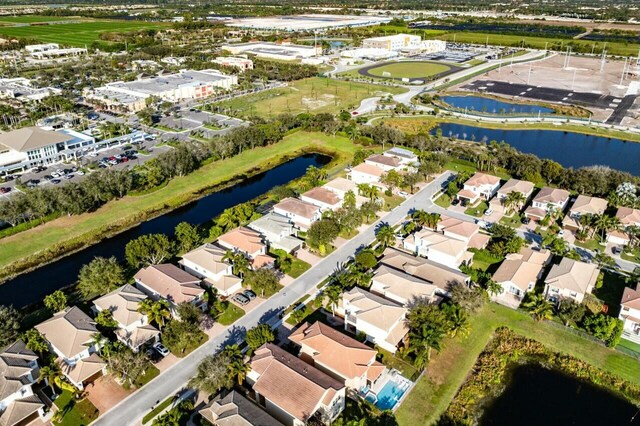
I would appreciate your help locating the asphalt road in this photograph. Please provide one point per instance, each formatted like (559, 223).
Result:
(131, 409)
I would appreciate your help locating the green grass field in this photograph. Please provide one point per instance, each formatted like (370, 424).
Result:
(448, 369)
(75, 34)
(44, 241)
(613, 48)
(409, 69)
(313, 95)
(30, 19)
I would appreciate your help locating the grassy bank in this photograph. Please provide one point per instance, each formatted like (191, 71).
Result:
(424, 123)
(448, 369)
(312, 95)
(66, 234)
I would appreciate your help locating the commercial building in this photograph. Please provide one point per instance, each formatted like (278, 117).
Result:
(372, 53)
(34, 146)
(231, 61)
(433, 46)
(270, 50)
(184, 85)
(22, 90)
(393, 43)
(307, 22)
(52, 50)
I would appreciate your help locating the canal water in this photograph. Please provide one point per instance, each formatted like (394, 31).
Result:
(31, 287)
(537, 396)
(493, 106)
(567, 148)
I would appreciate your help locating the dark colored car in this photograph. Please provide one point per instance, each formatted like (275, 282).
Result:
(526, 220)
(5, 190)
(249, 294)
(455, 202)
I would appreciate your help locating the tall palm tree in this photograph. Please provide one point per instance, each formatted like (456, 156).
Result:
(605, 223)
(334, 294)
(420, 217)
(586, 223)
(385, 235)
(52, 375)
(156, 311)
(238, 261)
(539, 307)
(421, 342)
(349, 200)
(236, 368)
(458, 319)
(433, 219)
(514, 201)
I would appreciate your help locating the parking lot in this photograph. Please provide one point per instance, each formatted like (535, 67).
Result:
(187, 121)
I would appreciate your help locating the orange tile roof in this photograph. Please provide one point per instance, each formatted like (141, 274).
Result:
(170, 282)
(335, 350)
(243, 239)
(631, 298)
(322, 195)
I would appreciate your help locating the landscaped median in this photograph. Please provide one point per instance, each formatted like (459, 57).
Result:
(64, 235)
(449, 368)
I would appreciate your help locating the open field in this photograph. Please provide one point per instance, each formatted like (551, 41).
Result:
(313, 95)
(613, 48)
(407, 69)
(49, 240)
(448, 369)
(75, 34)
(30, 19)
(415, 125)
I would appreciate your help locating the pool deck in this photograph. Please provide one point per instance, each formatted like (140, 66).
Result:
(389, 376)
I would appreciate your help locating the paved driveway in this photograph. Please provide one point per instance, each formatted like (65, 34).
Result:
(176, 376)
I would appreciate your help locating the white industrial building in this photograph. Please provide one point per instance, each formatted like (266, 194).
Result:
(393, 42)
(307, 22)
(21, 89)
(187, 84)
(433, 46)
(52, 50)
(371, 53)
(270, 50)
(34, 146)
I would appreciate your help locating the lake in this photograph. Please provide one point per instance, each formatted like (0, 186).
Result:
(31, 287)
(567, 148)
(493, 106)
(537, 396)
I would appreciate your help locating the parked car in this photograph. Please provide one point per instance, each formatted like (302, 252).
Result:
(249, 294)
(161, 349)
(488, 212)
(55, 181)
(48, 177)
(241, 299)
(80, 173)
(455, 202)
(5, 190)
(616, 250)
(526, 220)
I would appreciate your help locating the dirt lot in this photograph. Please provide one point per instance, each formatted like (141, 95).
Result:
(580, 75)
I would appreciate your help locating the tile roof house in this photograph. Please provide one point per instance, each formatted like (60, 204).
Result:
(323, 198)
(70, 334)
(402, 288)
(168, 282)
(243, 240)
(366, 173)
(208, 263)
(464, 231)
(515, 185)
(18, 371)
(571, 279)
(301, 213)
(630, 314)
(133, 329)
(385, 162)
(340, 186)
(278, 231)
(628, 217)
(480, 185)
(338, 355)
(236, 410)
(518, 275)
(582, 206)
(439, 275)
(437, 247)
(291, 390)
(405, 156)
(547, 200)
(381, 320)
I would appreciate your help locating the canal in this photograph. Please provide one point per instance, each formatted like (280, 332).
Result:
(537, 396)
(493, 106)
(567, 148)
(31, 287)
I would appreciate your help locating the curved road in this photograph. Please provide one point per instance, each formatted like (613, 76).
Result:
(131, 409)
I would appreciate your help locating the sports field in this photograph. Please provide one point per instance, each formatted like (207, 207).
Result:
(408, 69)
(75, 34)
(313, 95)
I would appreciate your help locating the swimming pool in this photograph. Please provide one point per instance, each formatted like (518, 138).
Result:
(390, 394)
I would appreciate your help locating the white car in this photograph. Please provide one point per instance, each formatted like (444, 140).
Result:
(80, 173)
(403, 194)
(488, 212)
(161, 349)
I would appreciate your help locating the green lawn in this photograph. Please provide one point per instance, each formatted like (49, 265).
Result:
(514, 221)
(449, 368)
(394, 361)
(76, 34)
(482, 259)
(231, 314)
(443, 201)
(151, 373)
(75, 412)
(298, 267)
(589, 244)
(29, 19)
(313, 95)
(151, 414)
(630, 345)
(611, 292)
(478, 210)
(409, 69)
(42, 242)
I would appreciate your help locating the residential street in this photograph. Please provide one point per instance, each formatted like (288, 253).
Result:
(130, 410)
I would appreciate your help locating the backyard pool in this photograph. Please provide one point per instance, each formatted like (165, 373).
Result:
(390, 394)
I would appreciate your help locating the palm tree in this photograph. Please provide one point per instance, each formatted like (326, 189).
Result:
(239, 262)
(420, 217)
(227, 219)
(353, 132)
(432, 220)
(156, 311)
(421, 342)
(369, 191)
(514, 201)
(52, 375)
(408, 228)
(236, 368)
(385, 235)
(605, 223)
(349, 200)
(586, 223)
(359, 278)
(458, 320)
(539, 307)
(334, 294)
